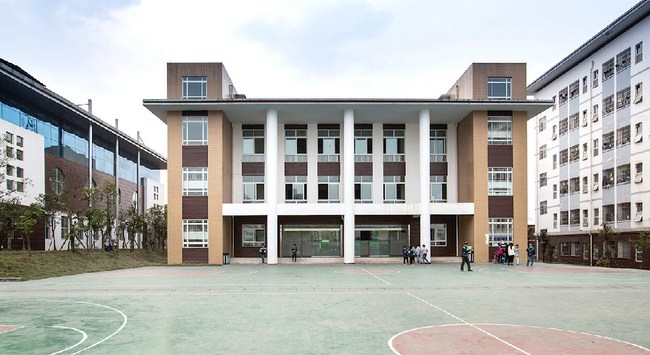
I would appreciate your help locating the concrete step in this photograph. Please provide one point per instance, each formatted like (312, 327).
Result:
(339, 260)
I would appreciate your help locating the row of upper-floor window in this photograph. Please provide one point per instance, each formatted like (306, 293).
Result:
(195, 132)
(71, 143)
(620, 175)
(618, 63)
(620, 212)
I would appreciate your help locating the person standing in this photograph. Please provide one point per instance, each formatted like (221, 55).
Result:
(531, 254)
(418, 255)
(517, 254)
(412, 255)
(294, 253)
(467, 249)
(424, 251)
(263, 252)
(405, 254)
(511, 254)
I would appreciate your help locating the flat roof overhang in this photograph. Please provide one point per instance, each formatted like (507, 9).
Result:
(253, 111)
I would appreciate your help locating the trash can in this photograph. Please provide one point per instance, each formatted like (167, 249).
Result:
(226, 258)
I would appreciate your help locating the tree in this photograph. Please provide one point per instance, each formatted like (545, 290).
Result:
(50, 205)
(26, 221)
(545, 243)
(9, 214)
(156, 227)
(606, 233)
(133, 223)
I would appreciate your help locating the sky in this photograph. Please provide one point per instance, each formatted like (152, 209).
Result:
(115, 51)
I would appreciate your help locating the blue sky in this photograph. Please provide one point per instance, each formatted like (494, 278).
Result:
(115, 52)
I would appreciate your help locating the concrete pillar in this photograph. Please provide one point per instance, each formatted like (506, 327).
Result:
(348, 186)
(271, 185)
(425, 219)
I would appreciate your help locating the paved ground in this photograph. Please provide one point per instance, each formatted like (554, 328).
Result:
(331, 309)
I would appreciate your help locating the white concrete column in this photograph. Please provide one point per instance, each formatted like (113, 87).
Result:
(271, 185)
(425, 219)
(90, 154)
(348, 186)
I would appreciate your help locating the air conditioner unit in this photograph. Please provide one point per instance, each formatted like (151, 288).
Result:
(638, 98)
(595, 118)
(596, 186)
(638, 217)
(638, 178)
(638, 138)
(554, 136)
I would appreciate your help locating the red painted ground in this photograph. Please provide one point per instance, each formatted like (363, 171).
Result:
(374, 272)
(8, 328)
(464, 339)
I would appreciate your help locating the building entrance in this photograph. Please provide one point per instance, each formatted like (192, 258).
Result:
(317, 241)
(378, 240)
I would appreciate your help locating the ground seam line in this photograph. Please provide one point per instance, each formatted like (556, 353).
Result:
(471, 325)
(377, 277)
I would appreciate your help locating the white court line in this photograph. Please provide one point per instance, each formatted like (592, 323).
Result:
(377, 277)
(84, 336)
(467, 323)
(110, 336)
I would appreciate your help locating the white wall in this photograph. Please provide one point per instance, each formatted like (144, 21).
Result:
(33, 163)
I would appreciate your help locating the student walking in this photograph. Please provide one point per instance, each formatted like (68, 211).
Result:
(263, 252)
(405, 254)
(517, 254)
(294, 253)
(424, 252)
(531, 254)
(467, 249)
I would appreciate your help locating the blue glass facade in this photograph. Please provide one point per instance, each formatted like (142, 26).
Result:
(128, 169)
(48, 130)
(104, 156)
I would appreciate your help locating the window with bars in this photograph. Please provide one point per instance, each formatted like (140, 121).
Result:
(574, 89)
(564, 187)
(574, 185)
(623, 136)
(608, 141)
(608, 178)
(623, 174)
(608, 105)
(542, 152)
(542, 180)
(574, 121)
(543, 207)
(608, 213)
(563, 96)
(623, 212)
(574, 153)
(574, 217)
(608, 70)
(564, 218)
(623, 98)
(623, 60)
(564, 126)
(564, 156)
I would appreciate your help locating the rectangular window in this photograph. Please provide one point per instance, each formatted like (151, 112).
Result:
(438, 188)
(594, 79)
(608, 178)
(65, 226)
(574, 153)
(638, 93)
(623, 174)
(554, 133)
(543, 207)
(585, 151)
(393, 145)
(542, 124)
(554, 161)
(554, 191)
(565, 248)
(584, 85)
(363, 189)
(329, 145)
(623, 136)
(195, 233)
(608, 105)
(499, 181)
(638, 176)
(638, 52)
(638, 132)
(564, 187)
(564, 156)
(252, 145)
(585, 218)
(554, 102)
(608, 213)
(499, 130)
(438, 235)
(363, 145)
(608, 70)
(596, 217)
(564, 218)
(554, 220)
(623, 98)
(564, 96)
(295, 145)
(542, 179)
(500, 230)
(574, 185)
(9, 137)
(19, 141)
(195, 87)
(195, 130)
(608, 141)
(19, 172)
(594, 113)
(253, 235)
(542, 152)
(585, 184)
(10, 185)
(574, 89)
(438, 145)
(9, 152)
(585, 118)
(623, 60)
(10, 170)
(295, 189)
(19, 154)
(638, 216)
(328, 189)
(638, 255)
(394, 189)
(499, 88)
(564, 126)
(253, 189)
(574, 121)
(596, 147)
(624, 250)
(596, 182)
(195, 181)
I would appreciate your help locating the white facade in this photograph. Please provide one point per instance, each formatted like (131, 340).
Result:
(25, 168)
(597, 199)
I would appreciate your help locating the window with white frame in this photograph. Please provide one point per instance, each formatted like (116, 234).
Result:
(584, 85)
(594, 113)
(438, 235)
(623, 174)
(565, 248)
(554, 191)
(638, 52)
(564, 187)
(554, 132)
(10, 170)
(608, 141)
(574, 153)
(438, 188)
(596, 182)
(623, 98)
(564, 218)
(542, 124)
(574, 89)
(594, 79)
(295, 145)
(328, 189)
(195, 233)
(585, 218)
(500, 230)
(394, 189)
(585, 118)
(295, 189)
(623, 60)
(596, 147)
(585, 151)
(543, 207)
(638, 175)
(57, 181)
(65, 226)
(19, 155)
(574, 185)
(438, 145)
(563, 96)
(554, 220)
(20, 172)
(585, 184)
(554, 161)
(638, 255)
(542, 152)
(499, 130)
(252, 144)
(363, 145)
(574, 121)
(253, 189)
(329, 145)
(499, 181)
(608, 178)
(542, 180)
(596, 216)
(19, 141)
(624, 250)
(393, 145)
(9, 137)
(253, 235)
(623, 212)
(608, 105)
(638, 216)
(195, 181)
(554, 102)
(195, 130)
(638, 132)
(363, 189)
(499, 88)
(564, 126)
(195, 87)
(608, 69)
(638, 93)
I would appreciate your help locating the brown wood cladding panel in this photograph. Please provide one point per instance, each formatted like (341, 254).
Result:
(499, 155)
(395, 169)
(363, 126)
(195, 255)
(450, 249)
(195, 156)
(362, 169)
(437, 168)
(238, 249)
(195, 207)
(500, 206)
(295, 169)
(438, 126)
(252, 169)
(394, 126)
(329, 169)
(295, 126)
(329, 126)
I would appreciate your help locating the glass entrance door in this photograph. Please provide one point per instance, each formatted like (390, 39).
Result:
(311, 241)
(380, 240)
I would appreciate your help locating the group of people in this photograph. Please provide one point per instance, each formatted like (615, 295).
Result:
(415, 254)
(508, 254)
